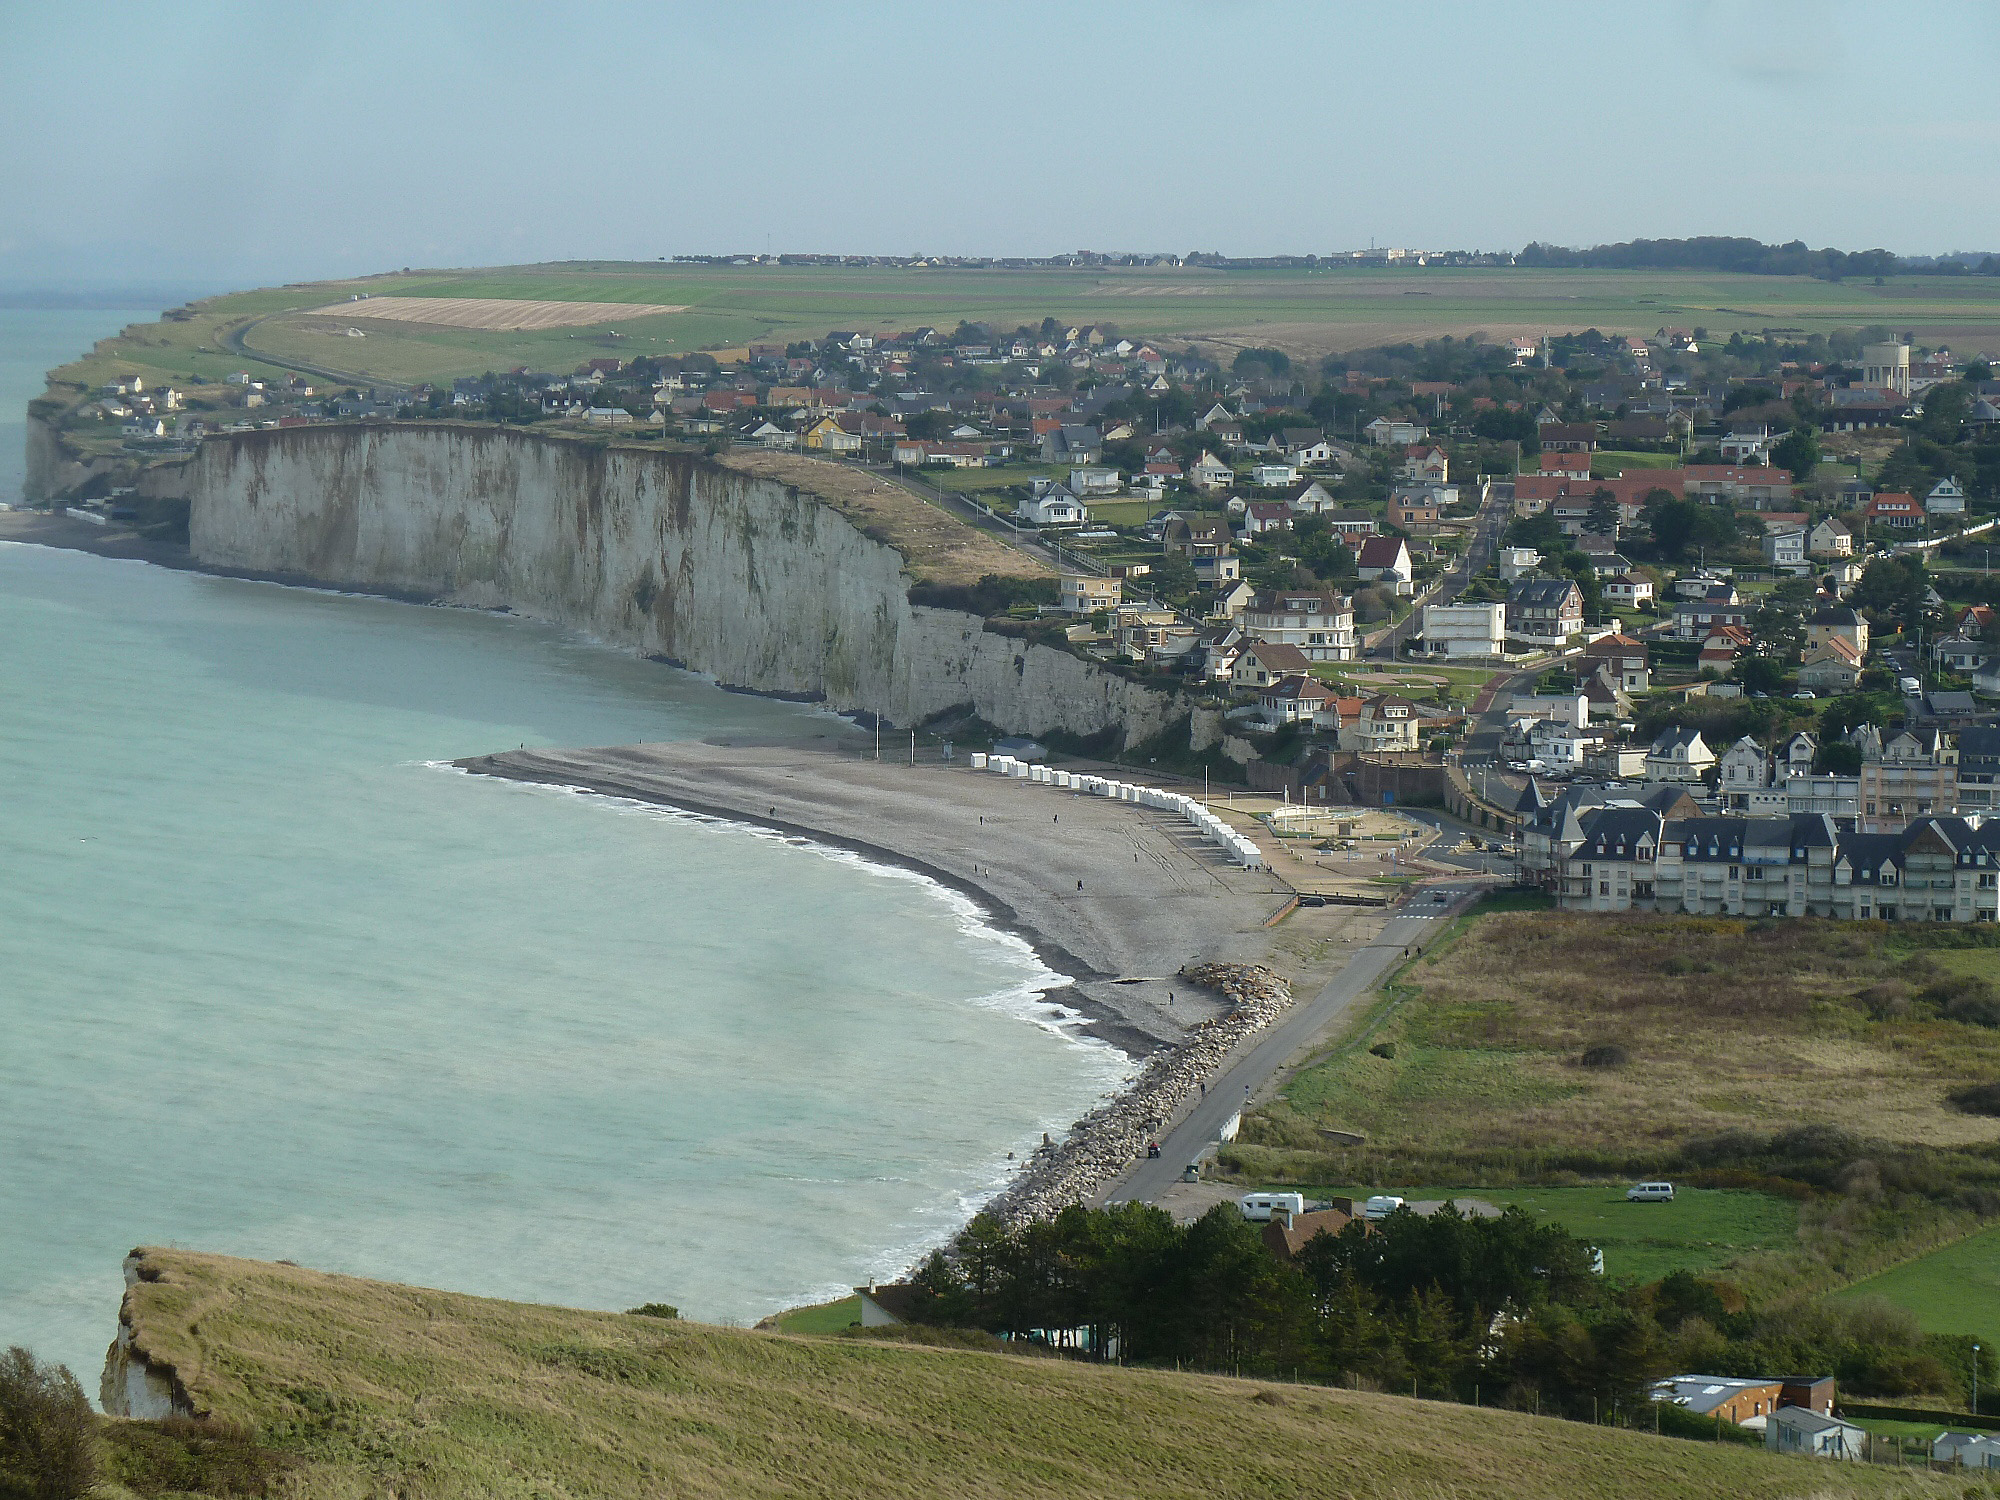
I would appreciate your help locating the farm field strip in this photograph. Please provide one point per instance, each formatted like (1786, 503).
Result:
(498, 314)
(1955, 1289)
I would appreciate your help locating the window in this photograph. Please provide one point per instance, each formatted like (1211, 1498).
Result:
(1603, 887)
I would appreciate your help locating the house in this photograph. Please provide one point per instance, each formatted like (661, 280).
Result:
(1722, 645)
(1679, 755)
(1912, 775)
(1785, 549)
(1945, 499)
(1273, 476)
(1412, 508)
(1426, 464)
(827, 435)
(1260, 516)
(1830, 539)
(1386, 726)
(1695, 618)
(1351, 523)
(1210, 473)
(1849, 625)
(1568, 437)
(1053, 506)
(1229, 598)
(1763, 487)
(1294, 699)
(1731, 1398)
(1311, 498)
(1085, 482)
(1963, 653)
(1747, 445)
(1625, 658)
(1555, 743)
(1386, 559)
(1082, 446)
(1569, 464)
(1544, 612)
(1319, 624)
(1285, 1236)
(888, 1305)
(1397, 433)
(1834, 667)
(1084, 593)
(1517, 563)
(1465, 630)
(1972, 1450)
(1261, 663)
(1306, 446)
(1628, 589)
(1894, 511)
(1794, 1429)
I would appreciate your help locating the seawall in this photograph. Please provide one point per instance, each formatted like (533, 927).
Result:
(734, 567)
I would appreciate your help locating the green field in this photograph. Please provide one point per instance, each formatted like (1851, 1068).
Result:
(1306, 312)
(821, 1317)
(1703, 1229)
(361, 1389)
(1953, 1290)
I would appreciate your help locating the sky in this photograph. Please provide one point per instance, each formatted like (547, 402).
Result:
(222, 144)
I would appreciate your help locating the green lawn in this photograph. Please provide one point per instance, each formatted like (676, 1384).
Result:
(823, 1317)
(1953, 1290)
(1703, 1229)
(1607, 462)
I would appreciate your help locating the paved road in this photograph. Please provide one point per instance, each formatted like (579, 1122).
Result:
(1413, 927)
(1487, 526)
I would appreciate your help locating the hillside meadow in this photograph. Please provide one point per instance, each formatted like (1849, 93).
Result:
(359, 1388)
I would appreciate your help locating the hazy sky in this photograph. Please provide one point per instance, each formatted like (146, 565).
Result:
(240, 143)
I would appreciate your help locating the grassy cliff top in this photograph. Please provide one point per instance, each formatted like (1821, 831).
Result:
(379, 1389)
(678, 309)
(937, 546)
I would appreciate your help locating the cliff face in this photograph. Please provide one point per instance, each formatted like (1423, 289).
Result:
(740, 575)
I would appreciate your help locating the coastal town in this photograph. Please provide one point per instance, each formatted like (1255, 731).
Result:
(1608, 601)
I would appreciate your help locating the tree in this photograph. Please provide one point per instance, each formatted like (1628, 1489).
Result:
(1798, 451)
(1174, 575)
(48, 1445)
(1602, 518)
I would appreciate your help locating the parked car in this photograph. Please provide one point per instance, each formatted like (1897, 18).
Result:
(1650, 1192)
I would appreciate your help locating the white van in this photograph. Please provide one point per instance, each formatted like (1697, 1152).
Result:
(1650, 1192)
(1380, 1206)
(1262, 1206)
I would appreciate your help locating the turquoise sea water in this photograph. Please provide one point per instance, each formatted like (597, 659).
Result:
(274, 983)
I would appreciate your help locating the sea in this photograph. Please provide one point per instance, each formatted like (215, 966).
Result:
(276, 981)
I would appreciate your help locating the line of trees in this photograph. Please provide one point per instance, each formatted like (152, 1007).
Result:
(1711, 252)
(1507, 1309)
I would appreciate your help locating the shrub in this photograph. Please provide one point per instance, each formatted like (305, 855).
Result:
(1976, 1099)
(654, 1310)
(1887, 1001)
(47, 1432)
(1383, 1049)
(1605, 1055)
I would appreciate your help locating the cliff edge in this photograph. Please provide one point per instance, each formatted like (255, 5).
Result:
(772, 572)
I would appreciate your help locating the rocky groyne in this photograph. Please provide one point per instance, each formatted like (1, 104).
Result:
(1105, 1142)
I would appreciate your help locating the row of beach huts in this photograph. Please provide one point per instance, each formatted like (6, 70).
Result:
(1235, 845)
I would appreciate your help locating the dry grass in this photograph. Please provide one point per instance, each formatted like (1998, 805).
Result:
(1727, 1027)
(390, 1390)
(937, 546)
(495, 314)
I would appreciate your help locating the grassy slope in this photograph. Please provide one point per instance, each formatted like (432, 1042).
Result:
(1303, 311)
(1749, 1035)
(1952, 1290)
(389, 1389)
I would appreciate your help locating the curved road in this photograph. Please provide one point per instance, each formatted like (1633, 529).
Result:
(1413, 927)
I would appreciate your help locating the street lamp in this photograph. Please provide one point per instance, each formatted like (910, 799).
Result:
(1975, 1380)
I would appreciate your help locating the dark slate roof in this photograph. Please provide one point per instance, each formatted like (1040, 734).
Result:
(1543, 593)
(1615, 832)
(1707, 839)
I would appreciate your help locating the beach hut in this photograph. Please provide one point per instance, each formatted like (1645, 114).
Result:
(979, 760)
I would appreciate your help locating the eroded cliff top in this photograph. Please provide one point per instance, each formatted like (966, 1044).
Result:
(937, 546)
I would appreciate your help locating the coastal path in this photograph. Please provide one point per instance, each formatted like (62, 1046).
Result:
(1196, 1133)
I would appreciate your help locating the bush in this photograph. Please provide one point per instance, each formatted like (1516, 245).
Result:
(654, 1310)
(47, 1432)
(1976, 1099)
(1605, 1055)
(1966, 998)
(190, 1455)
(1383, 1049)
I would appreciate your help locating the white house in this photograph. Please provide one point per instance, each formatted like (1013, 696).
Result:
(1679, 755)
(1945, 499)
(1785, 549)
(1517, 563)
(1054, 506)
(1629, 589)
(1830, 539)
(1386, 559)
(1274, 476)
(1800, 1429)
(1473, 630)
(1384, 433)
(1210, 473)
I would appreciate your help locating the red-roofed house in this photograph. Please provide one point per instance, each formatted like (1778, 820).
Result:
(1759, 485)
(1889, 508)
(1574, 465)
